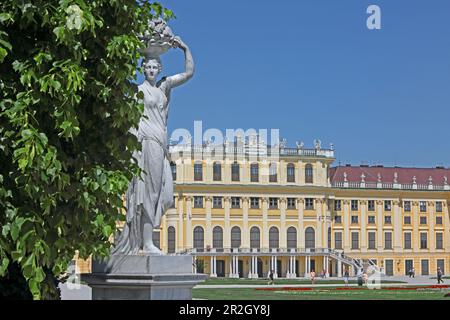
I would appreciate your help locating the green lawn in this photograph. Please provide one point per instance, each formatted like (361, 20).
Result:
(227, 281)
(326, 293)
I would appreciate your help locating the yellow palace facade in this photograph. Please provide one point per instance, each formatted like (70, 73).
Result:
(244, 209)
(247, 209)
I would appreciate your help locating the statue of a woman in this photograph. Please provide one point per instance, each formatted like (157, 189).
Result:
(149, 196)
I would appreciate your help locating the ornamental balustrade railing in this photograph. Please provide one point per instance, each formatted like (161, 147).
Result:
(250, 150)
(400, 186)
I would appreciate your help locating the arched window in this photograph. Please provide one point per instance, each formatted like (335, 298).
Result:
(309, 173)
(254, 237)
(199, 238)
(254, 172)
(217, 237)
(290, 172)
(310, 238)
(274, 238)
(235, 237)
(198, 171)
(156, 236)
(273, 172)
(173, 168)
(171, 239)
(291, 238)
(217, 171)
(235, 171)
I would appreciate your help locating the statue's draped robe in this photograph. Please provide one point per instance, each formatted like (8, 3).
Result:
(151, 195)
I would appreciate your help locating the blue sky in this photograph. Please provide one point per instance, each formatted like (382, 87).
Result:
(312, 69)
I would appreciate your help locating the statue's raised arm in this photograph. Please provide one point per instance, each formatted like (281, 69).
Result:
(178, 79)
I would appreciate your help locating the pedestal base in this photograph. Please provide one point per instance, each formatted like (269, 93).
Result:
(143, 277)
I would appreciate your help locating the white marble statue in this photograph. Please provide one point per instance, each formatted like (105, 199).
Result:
(149, 196)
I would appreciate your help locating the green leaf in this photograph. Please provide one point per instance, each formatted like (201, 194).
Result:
(4, 266)
(3, 54)
(39, 274)
(15, 232)
(4, 16)
(5, 230)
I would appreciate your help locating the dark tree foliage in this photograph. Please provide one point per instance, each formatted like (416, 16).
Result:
(67, 101)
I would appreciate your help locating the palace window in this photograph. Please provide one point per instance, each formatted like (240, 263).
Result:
(425, 267)
(291, 203)
(274, 238)
(355, 240)
(198, 171)
(254, 203)
(254, 172)
(423, 220)
(217, 171)
(291, 238)
(441, 264)
(199, 238)
(354, 205)
(198, 202)
(329, 238)
(309, 173)
(439, 206)
(407, 220)
(354, 219)
(310, 238)
(273, 172)
(387, 205)
(371, 219)
(254, 237)
(423, 206)
(273, 203)
(235, 172)
(388, 240)
(439, 240)
(337, 205)
(235, 202)
(371, 205)
(173, 168)
(217, 202)
(407, 206)
(218, 237)
(372, 240)
(171, 239)
(439, 220)
(290, 172)
(309, 203)
(423, 240)
(387, 220)
(235, 237)
(337, 219)
(338, 240)
(407, 240)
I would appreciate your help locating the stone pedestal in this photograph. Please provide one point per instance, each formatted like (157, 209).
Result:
(143, 277)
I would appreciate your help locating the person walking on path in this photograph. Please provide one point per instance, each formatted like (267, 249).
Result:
(413, 272)
(439, 275)
(313, 276)
(271, 281)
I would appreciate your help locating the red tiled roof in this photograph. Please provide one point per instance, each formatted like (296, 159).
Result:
(404, 175)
